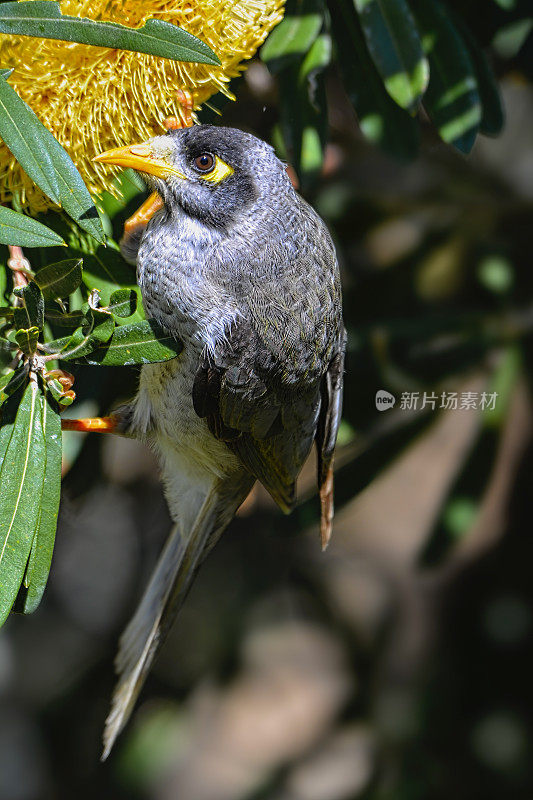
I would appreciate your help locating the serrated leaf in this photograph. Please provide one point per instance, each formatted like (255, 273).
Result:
(394, 44)
(34, 144)
(32, 311)
(60, 279)
(381, 120)
(452, 98)
(123, 303)
(38, 566)
(27, 339)
(18, 229)
(21, 478)
(138, 343)
(20, 129)
(292, 38)
(43, 18)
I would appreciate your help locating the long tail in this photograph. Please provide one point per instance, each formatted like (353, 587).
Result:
(163, 597)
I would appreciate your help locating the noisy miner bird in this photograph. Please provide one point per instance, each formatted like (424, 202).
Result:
(243, 271)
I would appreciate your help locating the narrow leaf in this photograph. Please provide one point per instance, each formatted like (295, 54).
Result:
(8, 414)
(73, 194)
(43, 18)
(33, 144)
(303, 107)
(21, 130)
(381, 120)
(60, 279)
(292, 38)
(452, 98)
(21, 478)
(492, 116)
(24, 231)
(42, 549)
(394, 44)
(14, 381)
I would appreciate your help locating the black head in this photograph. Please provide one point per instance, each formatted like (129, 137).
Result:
(212, 174)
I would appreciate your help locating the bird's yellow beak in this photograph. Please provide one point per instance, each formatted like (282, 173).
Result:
(139, 157)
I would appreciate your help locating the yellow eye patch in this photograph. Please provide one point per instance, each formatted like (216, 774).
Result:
(220, 171)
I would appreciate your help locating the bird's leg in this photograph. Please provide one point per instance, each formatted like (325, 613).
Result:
(115, 423)
(118, 422)
(92, 425)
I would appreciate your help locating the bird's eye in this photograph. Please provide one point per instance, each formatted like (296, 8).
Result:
(204, 162)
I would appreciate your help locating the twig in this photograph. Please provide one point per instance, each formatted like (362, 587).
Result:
(19, 266)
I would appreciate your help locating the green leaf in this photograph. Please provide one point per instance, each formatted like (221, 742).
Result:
(123, 303)
(42, 548)
(24, 231)
(510, 39)
(396, 50)
(27, 339)
(71, 320)
(32, 311)
(292, 38)
(73, 194)
(492, 113)
(452, 98)
(21, 477)
(317, 58)
(10, 383)
(107, 271)
(381, 120)
(55, 389)
(32, 142)
(303, 110)
(21, 129)
(102, 325)
(138, 343)
(43, 19)
(60, 279)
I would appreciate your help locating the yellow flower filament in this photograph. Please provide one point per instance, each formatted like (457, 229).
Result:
(94, 98)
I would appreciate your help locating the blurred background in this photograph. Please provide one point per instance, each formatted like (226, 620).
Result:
(397, 664)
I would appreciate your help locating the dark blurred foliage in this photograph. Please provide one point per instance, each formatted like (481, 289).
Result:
(398, 664)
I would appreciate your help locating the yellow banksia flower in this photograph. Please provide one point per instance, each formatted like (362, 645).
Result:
(95, 98)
